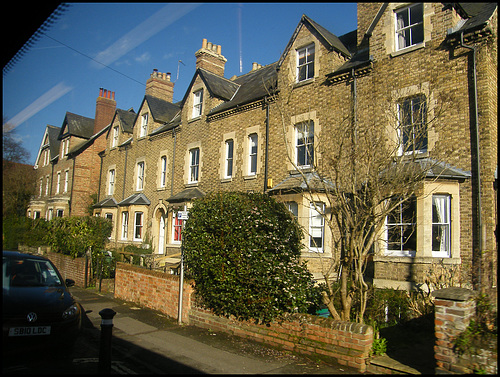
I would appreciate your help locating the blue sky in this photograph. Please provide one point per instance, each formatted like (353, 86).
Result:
(116, 46)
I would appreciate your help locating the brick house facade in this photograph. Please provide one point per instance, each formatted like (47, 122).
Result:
(272, 129)
(68, 163)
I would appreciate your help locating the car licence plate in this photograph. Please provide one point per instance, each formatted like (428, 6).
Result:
(29, 331)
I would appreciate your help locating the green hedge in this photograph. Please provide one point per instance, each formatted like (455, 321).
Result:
(242, 250)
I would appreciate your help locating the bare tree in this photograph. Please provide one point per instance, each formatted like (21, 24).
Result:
(18, 177)
(369, 173)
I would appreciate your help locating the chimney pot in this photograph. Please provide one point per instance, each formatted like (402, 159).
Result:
(204, 43)
(100, 92)
(219, 49)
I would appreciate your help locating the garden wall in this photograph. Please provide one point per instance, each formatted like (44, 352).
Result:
(349, 343)
(70, 268)
(454, 309)
(153, 289)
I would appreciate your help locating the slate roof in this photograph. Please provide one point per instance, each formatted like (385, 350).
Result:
(251, 87)
(297, 183)
(438, 169)
(75, 150)
(167, 126)
(430, 168)
(106, 203)
(186, 195)
(126, 119)
(216, 85)
(477, 15)
(330, 40)
(54, 142)
(360, 59)
(161, 110)
(135, 199)
(77, 125)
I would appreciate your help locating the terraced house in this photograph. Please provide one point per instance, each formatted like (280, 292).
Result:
(423, 74)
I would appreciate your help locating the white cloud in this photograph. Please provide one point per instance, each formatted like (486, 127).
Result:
(142, 32)
(143, 58)
(39, 104)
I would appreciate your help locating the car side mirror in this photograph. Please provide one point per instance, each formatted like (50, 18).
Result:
(69, 282)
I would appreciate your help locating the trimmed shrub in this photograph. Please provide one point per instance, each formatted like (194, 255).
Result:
(242, 250)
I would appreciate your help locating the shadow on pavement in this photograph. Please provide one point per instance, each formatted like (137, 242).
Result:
(127, 358)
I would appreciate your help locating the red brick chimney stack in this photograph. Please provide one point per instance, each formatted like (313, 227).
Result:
(210, 58)
(160, 86)
(104, 109)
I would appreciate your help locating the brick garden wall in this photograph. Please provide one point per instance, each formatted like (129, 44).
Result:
(70, 268)
(153, 289)
(349, 343)
(454, 309)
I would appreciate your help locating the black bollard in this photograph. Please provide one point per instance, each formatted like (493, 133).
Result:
(105, 346)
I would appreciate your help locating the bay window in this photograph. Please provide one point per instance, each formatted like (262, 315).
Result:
(441, 225)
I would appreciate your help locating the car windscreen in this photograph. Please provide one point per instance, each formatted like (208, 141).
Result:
(27, 272)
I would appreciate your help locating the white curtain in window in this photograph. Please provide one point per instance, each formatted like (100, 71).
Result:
(440, 203)
(400, 33)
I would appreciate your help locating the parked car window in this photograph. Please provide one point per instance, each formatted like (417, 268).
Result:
(29, 273)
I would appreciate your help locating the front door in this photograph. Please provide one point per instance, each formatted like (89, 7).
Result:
(161, 237)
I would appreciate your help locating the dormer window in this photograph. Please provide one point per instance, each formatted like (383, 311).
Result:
(114, 142)
(65, 147)
(305, 63)
(409, 26)
(144, 125)
(197, 103)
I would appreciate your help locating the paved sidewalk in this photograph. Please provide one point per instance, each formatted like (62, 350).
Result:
(147, 342)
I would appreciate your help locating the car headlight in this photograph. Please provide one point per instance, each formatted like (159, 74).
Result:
(71, 312)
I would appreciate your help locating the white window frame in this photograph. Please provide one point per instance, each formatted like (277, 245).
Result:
(66, 180)
(111, 181)
(144, 125)
(63, 148)
(141, 167)
(293, 207)
(124, 232)
(58, 186)
(177, 226)
(408, 124)
(163, 167)
(401, 29)
(138, 225)
(316, 226)
(194, 165)
(114, 141)
(305, 62)
(229, 165)
(401, 223)
(441, 219)
(197, 103)
(304, 144)
(253, 149)
(47, 186)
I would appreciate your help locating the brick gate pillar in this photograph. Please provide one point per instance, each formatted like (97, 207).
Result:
(454, 308)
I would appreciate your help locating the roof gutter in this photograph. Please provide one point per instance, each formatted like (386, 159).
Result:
(477, 161)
